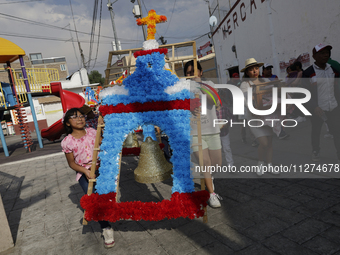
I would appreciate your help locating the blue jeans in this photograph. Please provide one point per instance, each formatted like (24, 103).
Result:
(84, 183)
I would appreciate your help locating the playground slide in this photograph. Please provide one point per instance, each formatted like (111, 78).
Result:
(68, 100)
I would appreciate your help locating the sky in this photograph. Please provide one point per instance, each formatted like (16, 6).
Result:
(43, 26)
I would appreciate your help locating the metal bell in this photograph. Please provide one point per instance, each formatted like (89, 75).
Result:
(131, 141)
(152, 165)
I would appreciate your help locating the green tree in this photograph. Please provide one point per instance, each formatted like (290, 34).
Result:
(96, 77)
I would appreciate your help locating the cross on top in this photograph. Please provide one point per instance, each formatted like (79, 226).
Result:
(151, 20)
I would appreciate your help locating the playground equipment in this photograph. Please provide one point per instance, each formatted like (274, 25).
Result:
(10, 52)
(68, 100)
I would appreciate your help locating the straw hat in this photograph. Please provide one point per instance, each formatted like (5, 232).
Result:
(251, 62)
(86, 109)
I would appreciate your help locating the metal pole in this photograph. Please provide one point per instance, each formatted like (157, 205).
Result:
(212, 38)
(109, 5)
(272, 39)
(29, 95)
(141, 14)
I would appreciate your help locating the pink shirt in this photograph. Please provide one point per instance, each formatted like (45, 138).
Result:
(81, 148)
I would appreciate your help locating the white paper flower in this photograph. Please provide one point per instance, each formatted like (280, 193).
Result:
(179, 86)
(150, 44)
(115, 90)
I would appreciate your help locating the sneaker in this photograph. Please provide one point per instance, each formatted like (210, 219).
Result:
(328, 135)
(214, 200)
(254, 143)
(259, 170)
(283, 135)
(271, 169)
(108, 237)
(316, 156)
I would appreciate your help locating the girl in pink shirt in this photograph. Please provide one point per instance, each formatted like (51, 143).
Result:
(78, 146)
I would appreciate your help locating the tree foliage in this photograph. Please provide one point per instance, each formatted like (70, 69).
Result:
(96, 77)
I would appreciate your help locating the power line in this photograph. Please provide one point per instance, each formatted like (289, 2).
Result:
(94, 19)
(50, 38)
(53, 26)
(99, 27)
(173, 8)
(22, 1)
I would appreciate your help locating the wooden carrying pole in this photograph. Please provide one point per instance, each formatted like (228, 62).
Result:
(94, 162)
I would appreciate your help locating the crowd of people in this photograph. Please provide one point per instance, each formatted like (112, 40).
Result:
(321, 79)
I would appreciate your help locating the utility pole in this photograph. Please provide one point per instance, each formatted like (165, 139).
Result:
(109, 5)
(82, 55)
(140, 15)
(207, 1)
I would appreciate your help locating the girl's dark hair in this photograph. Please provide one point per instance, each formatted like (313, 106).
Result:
(67, 116)
(191, 63)
(293, 67)
(298, 64)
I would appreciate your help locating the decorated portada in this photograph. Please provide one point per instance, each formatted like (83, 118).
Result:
(151, 95)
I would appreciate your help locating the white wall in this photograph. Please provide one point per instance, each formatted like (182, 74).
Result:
(53, 112)
(297, 27)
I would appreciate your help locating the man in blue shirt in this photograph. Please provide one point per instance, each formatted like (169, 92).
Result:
(267, 72)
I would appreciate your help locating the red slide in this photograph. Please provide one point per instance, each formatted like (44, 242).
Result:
(68, 100)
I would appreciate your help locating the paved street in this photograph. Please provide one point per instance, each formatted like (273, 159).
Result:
(258, 215)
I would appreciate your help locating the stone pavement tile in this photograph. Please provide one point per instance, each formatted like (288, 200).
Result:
(305, 230)
(265, 229)
(174, 242)
(238, 218)
(255, 249)
(55, 226)
(176, 248)
(170, 236)
(192, 227)
(284, 246)
(81, 239)
(21, 203)
(301, 198)
(332, 234)
(201, 239)
(322, 245)
(329, 216)
(289, 216)
(292, 189)
(214, 248)
(147, 246)
(74, 218)
(64, 248)
(281, 201)
(318, 184)
(132, 232)
(316, 205)
(235, 195)
(14, 217)
(317, 193)
(230, 237)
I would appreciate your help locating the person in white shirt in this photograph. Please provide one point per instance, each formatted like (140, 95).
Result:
(322, 81)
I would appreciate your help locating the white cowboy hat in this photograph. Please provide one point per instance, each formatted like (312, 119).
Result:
(251, 62)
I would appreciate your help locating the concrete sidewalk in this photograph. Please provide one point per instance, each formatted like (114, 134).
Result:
(258, 216)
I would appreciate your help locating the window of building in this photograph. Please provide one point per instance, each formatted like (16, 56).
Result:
(62, 67)
(35, 56)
